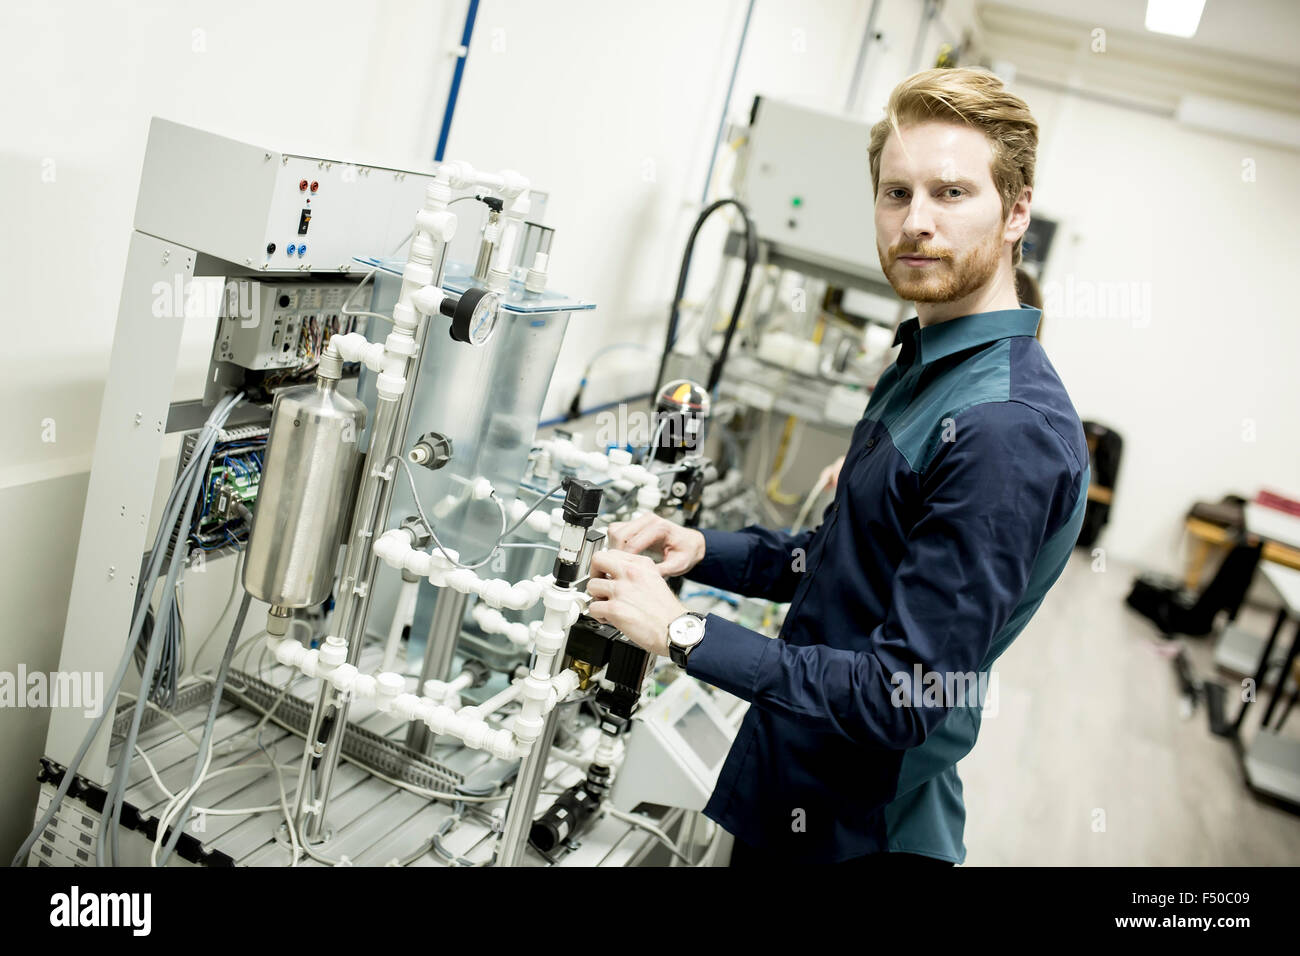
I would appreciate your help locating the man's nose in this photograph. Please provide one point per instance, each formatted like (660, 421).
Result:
(919, 223)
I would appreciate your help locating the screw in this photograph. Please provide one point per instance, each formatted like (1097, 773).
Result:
(112, 570)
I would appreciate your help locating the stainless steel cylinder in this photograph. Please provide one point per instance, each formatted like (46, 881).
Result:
(311, 457)
(487, 249)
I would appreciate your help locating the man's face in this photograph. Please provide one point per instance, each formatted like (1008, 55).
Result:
(940, 233)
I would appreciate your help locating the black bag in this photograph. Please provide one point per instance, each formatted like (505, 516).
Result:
(1175, 610)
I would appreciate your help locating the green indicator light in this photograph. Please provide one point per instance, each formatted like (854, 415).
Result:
(796, 201)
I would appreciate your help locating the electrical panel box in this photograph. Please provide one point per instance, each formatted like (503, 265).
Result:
(273, 325)
(807, 184)
(268, 210)
(676, 752)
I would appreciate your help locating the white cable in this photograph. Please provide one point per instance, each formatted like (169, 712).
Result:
(644, 824)
(419, 508)
(172, 717)
(230, 602)
(209, 811)
(284, 808)
(174, 807)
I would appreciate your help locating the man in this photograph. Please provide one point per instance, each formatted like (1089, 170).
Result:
(959, 501)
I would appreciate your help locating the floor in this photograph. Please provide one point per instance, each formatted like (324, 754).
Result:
(1090, 758)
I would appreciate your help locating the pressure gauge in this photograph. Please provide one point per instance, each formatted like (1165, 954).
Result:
(473, 316)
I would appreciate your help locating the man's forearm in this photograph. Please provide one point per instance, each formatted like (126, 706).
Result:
(755, 561)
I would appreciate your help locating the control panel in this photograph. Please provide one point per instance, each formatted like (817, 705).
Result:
(279, 325)
(267, 210)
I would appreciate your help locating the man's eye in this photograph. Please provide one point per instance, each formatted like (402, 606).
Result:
(896, 193)
(954, 192)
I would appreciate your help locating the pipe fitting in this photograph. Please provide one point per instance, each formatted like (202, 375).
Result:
(427, 299)
(439, 224)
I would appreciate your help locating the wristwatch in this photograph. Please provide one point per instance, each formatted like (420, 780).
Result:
(684, 635)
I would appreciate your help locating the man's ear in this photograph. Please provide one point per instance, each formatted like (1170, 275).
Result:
(1018, 218)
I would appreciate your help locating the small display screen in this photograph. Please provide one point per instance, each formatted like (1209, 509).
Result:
(697, 729)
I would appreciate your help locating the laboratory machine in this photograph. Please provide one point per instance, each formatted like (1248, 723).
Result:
(338, 593)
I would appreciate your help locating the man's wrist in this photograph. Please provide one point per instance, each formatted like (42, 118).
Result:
(701, 545)
(685, 634)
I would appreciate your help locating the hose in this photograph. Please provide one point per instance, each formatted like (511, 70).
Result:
(172, 511)
(751, 257)
(205, 744)
(183, 497)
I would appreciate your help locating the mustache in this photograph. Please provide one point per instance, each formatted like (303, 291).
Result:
(924, 251)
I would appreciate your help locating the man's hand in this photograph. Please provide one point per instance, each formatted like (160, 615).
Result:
(628, 592)
(830, 476)
(682, 548)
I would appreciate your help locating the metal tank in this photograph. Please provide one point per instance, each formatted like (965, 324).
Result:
(311, 460)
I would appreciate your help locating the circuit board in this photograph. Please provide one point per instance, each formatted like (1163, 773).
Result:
(234, 478)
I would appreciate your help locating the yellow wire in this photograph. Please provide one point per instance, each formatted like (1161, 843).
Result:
(773, 487)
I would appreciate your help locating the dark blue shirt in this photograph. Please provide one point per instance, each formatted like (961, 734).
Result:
(960, 499)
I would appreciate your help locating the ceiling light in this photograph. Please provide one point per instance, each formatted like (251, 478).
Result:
(1178, 18)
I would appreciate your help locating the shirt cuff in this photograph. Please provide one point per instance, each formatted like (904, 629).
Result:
(728, 657)
(725, 562)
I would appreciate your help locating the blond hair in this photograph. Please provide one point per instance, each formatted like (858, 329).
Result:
(977, 99)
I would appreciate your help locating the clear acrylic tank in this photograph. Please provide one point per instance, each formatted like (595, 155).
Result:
(488, 401)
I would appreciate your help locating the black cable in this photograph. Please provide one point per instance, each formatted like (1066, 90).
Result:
(751, 258)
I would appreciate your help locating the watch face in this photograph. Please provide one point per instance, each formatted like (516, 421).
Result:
(686, 631)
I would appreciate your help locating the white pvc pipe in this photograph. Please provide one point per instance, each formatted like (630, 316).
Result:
(542, 693)
(493, 621)
(615, 463)
(394, 549)
(495, 703)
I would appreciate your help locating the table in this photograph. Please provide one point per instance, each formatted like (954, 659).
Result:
(1286, 582)
(1272, 764)
(1272, 524)
(1208, 536)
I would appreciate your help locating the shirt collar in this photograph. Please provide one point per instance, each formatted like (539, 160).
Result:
(967, 331)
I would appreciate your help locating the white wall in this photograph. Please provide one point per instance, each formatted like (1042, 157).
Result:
(1198, 371)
